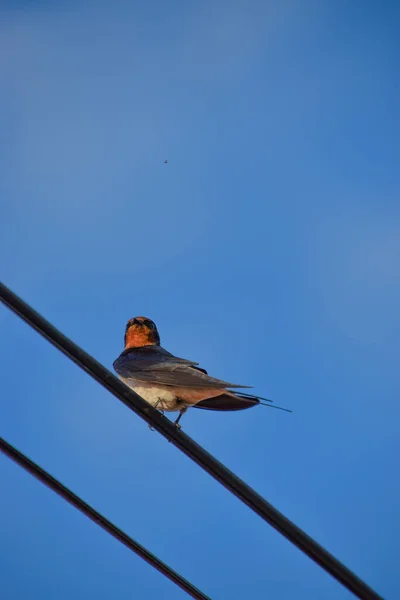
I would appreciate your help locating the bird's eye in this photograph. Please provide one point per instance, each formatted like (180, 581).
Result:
(149, 324)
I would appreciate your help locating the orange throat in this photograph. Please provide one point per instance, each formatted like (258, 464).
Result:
(136, 337)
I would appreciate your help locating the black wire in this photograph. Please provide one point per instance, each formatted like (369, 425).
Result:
(182, 441)
(90, 512)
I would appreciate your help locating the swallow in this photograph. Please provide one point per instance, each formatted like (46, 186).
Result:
(170, 383)
(165, 162)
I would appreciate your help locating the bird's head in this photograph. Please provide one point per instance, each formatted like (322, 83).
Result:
(141, 331)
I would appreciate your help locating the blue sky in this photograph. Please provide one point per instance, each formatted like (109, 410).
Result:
(267, 249)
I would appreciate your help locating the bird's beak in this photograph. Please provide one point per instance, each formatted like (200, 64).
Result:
(137, 322)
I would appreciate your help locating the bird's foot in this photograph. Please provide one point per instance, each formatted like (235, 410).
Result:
(160, 411)
(181, 413)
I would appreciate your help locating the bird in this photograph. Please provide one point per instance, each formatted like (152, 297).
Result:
(165, 162)
(170, 383)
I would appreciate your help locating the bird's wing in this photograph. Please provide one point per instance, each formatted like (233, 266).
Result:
(156, 365)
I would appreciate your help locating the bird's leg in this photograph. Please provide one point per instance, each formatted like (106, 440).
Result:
(176, 422)
(161, 411)
(156, 404)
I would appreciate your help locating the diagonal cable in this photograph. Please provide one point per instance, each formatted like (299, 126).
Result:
(90, 512)
(189, 447)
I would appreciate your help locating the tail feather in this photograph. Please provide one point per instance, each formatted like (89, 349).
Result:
(231, 401)
(227, 402)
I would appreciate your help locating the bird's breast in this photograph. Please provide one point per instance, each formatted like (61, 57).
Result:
(171, 398)
(161, 398)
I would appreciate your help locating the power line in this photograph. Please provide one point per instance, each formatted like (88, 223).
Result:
(193, 450)
(90, 512)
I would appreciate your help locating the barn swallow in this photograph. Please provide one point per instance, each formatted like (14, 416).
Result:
(170, 383)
